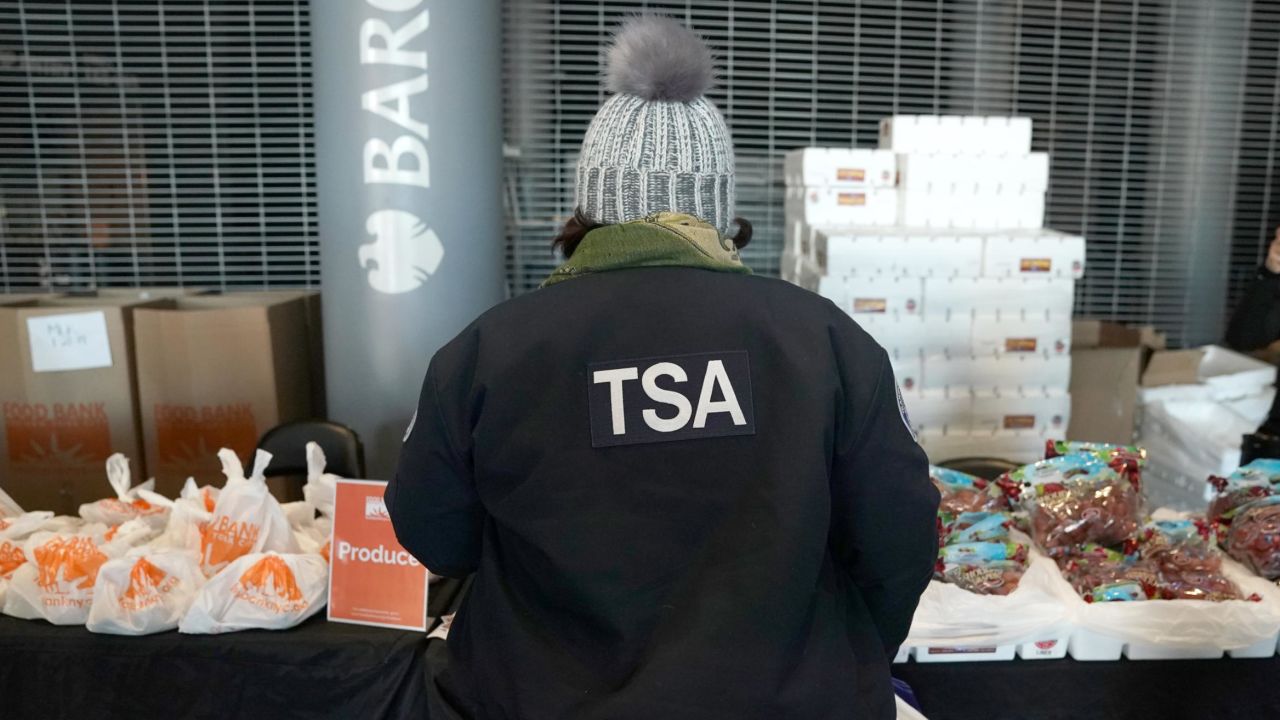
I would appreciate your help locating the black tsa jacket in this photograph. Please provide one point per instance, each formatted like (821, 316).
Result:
(683, 494)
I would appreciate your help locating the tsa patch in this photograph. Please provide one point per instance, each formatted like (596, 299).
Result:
(680, 397)
(902, 410)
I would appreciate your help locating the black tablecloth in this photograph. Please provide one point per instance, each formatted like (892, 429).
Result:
(316, 670)
(1124, 690)
(332, 670)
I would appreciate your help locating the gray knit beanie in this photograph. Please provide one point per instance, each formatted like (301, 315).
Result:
(658, 144)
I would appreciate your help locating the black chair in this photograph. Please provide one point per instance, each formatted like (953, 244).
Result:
(1258, 445)
(343, 452)
(987, 468)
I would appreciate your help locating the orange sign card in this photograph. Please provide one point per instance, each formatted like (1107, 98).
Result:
(851, 174)
(851, 198)
(1031, 265)
(372, 579)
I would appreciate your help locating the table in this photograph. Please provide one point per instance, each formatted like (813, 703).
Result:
(1124, 690)
(316, 670)
(322, 669)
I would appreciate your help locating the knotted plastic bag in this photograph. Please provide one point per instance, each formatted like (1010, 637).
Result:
(188, 516)
(246, 519)
(268, 591)
(56, 583)
(128, 503)
(146, 591)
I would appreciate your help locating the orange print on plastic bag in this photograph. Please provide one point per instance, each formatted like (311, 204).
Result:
(224, 540)
(11, 557)
(146, 584)
(270, 584)
(72, 558)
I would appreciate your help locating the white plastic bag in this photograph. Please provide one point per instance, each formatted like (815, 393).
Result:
(127, 504)
(56, 583)
(1183, 624)
(269, 591)
(301, 514)
(321, 486)
(13, 530)
(144, 592)
(950, 615)
(246, 518)
(188, 516)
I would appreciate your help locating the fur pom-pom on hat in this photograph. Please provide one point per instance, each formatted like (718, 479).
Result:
(655, 58)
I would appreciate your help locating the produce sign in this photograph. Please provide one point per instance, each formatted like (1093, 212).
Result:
(372, 579)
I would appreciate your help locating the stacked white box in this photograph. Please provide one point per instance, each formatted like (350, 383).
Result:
(946, 133)
(968, 294)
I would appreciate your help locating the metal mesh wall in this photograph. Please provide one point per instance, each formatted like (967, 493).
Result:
(161, 143)
(1160, 117)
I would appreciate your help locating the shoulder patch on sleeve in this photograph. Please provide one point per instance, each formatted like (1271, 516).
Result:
(409, 430)
(902, 410)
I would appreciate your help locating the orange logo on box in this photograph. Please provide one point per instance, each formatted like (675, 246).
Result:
(373, 580)
(870, 305)
(11, 557)
(1037, 264)
(269, 584)
(851, 174)
(146, 584)
(74, 558)
(850, 198)
(57, 435)
(1020, 345)
(189, 435)
(1019, 422)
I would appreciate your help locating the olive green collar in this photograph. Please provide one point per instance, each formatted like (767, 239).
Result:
(660, 240)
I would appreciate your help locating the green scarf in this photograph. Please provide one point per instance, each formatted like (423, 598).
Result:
(661, 240)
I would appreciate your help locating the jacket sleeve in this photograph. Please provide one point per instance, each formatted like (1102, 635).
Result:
(432, 500)
(1256, 322)
(884, 507)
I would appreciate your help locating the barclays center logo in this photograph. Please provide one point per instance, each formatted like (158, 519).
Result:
(404, 252)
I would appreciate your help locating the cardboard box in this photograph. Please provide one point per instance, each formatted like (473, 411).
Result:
(1022, 334)
(964, 207)
(1205, 373)
(906, 371)
(916, 335)
(841, 206)
(931, 411)
(152, 293)
(1107, 360)
(1042, 412)
(219, 371)
(1039, 253)
(1015, 446)
(874, 294)
(993, 374)
(945, 133)
(984, 174)
(842, 167)
(909, 253)
(68, 398)
(1001, 297)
